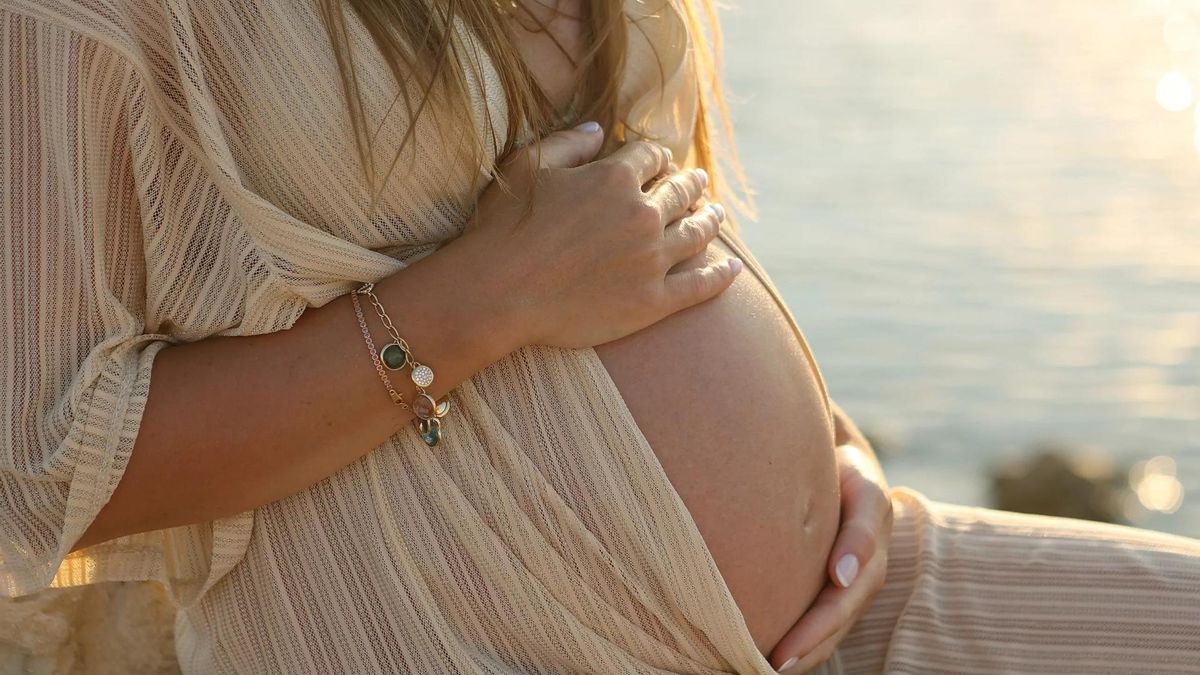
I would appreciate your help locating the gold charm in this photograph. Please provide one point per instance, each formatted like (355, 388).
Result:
(422, 375)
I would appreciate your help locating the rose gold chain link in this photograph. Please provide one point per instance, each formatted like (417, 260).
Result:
(396, 396)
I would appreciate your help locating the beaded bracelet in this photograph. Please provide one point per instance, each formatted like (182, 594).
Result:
(394, 356)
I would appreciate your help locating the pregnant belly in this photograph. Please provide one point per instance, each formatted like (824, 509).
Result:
(735, 413)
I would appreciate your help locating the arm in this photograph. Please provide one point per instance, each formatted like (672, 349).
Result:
(296, 405)
(846, 432)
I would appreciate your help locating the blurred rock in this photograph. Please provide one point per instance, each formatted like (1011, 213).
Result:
(124, 627)
(1057, 480)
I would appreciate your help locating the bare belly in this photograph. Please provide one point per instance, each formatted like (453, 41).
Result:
(732, 408)
(729, 403)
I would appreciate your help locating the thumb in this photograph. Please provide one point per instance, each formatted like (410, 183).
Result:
(567, 148)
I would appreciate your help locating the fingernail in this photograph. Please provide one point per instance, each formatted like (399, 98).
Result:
(670, 155)
(735, 264)
(588, 127)
(847, 569)
(703, 175)
(719, 210)
(789, 663)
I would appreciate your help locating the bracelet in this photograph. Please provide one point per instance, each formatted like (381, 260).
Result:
(396, 396)
(394, 356)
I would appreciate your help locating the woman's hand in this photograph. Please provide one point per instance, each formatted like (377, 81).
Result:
(857, 565)
(579, 251)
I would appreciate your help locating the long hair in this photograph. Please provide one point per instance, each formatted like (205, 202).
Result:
(418, 40)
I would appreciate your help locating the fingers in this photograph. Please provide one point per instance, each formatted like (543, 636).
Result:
(675, 194)
(695, 285)
(819, 631)
(644, 159)
(866, 519)
(855, 546)
(823, 620)
(864, 460)
(689, 236)
(564, 149)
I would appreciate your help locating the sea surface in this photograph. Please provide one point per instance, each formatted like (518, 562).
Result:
(986, 217)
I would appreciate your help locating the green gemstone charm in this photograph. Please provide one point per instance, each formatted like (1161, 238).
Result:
(431, 431)
(394, 356)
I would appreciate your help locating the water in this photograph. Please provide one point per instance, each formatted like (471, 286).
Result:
(985, 222)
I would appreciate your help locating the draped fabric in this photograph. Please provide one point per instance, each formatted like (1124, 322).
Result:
(177, 170)
(974, 591)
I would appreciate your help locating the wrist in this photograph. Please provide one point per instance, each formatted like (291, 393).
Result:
(496, 290)
(453, 289)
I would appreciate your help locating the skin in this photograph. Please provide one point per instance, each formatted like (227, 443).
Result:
(295, 405)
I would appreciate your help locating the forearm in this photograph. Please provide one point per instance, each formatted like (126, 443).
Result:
(846, 431)
(232, 423)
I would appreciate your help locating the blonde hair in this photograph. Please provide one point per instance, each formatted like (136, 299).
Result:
(419, 44)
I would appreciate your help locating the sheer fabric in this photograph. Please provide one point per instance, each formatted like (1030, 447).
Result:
(176, 170)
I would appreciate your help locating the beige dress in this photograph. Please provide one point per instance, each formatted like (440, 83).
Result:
(174, 170)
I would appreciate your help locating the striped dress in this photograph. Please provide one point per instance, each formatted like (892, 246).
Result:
(972, 590)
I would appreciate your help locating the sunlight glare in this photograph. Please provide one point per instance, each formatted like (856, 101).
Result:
(1175, 92)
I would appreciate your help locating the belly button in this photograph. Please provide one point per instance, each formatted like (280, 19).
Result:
(807, 514)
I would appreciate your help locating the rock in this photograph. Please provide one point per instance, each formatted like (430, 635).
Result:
(123, 627)
(1059, 481)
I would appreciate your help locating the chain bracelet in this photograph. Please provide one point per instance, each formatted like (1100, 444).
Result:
(396, 396)
(428, 411)
(421, 374)
(369, 290)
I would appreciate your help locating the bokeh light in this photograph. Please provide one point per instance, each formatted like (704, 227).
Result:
(1156, 485)
(1180, 32)
(1175, 92)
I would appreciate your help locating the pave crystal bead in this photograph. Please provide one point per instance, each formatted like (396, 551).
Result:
(423, 376)
(424, 406)
(431, 431)
(394, 356)
(443, 406)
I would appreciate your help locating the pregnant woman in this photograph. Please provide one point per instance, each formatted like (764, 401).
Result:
(410, 337)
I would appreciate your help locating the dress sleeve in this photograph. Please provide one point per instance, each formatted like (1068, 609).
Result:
(75, 356)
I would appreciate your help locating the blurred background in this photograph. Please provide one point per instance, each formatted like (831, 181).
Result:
(984, 215)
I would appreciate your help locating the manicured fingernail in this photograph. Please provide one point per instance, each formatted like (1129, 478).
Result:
(735, 264)
(588, 127)
(847, 569)
(719, 210)
(703, 175)
(789, 663)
